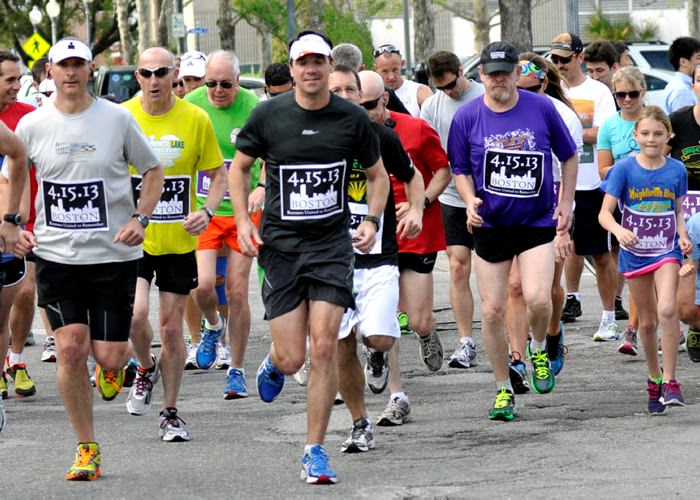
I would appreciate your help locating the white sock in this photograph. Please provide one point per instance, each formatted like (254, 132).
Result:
(504, 383)
(399, 395)
(576, 295)
(16, 359)
(464, 340)
(307, 448)
(608, 316)
(217, 326)
(536, 344)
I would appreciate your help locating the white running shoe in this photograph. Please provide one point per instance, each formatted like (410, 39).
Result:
(172, 427)
(302, 376)
(397, 412)
(607, 331)
(376, 370)
(48, 355)
(223, 356)
(91, 366)
(362, 437)
(465, 354)
(139, 400)
(191, 360)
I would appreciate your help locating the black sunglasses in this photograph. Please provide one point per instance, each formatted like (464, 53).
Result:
(224, 84)
(534, 88)
(623, 95)
(560, 60)
(386, 49)
(370, 105)
(159, 72)
(178, 84)
(449, 86)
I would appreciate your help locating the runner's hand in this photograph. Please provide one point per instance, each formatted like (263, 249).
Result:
(364, 236)
(563, 246)
(564, 217)
(131, 233)
(626, 237)
(401, 210)
(473, 217)
(410, 225)
(9, 236)
(249, 240)
(685, 244)
(196, 222)
(25, 244)
(256, 199)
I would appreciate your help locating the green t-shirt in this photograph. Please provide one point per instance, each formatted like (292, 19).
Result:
(227, 123)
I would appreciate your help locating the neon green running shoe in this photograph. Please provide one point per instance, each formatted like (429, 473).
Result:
(542, 379)
(504, 406)
(86, 466)
(403, 324)
(109, 382)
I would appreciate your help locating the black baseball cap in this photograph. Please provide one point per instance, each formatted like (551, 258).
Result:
(566, 45)
(498, 56)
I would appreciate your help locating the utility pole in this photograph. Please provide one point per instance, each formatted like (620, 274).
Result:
(572, 25)
(407, 36)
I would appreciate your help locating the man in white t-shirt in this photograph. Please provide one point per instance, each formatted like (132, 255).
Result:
(594, 104)
(389, 63)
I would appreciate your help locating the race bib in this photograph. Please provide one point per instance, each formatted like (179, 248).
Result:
(691, 204)
(357, 215)
(311, 191)
(174, 203)
(204, 181)
(656, 231)
(75, 205)
(516, 174)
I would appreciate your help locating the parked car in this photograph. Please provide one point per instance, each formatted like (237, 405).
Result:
(650, 55)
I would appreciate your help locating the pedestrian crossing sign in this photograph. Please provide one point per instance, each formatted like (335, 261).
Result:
(36, 46)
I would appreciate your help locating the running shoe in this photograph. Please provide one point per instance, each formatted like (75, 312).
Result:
(671, 394)
(3, 420)
(338, 399)
(693, 345)
(109, 382)
(48, 355)
(682, 343)
(517, 372)
(91, 367)
(130, 372)
(315, 468)
(302, 376)
(3, 386)
(236, 387)
(31, 341)
(376, 370)
(465, 354)
(542, 380)
(270, 381)
(223, 356)
(206, 352)
(431, 351)
(629, 342)
(655, 406)
(24, 386)
(607, 330)
(172, 428)
(397, 412)
(556, 350)
(620, 313)
(362, 437)
(86, 466)
(504, 406)
(191, 360)
(572, 309)
(141, 393)
(403, 323)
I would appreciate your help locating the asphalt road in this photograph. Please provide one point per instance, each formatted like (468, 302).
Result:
(591, 437)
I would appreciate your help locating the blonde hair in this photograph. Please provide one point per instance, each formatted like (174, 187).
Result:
(631, 75)
(655, 113)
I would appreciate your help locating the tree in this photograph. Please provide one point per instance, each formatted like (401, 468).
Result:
(693, 21)
(516, 23)
(144, 25)
(125, 37)
(478, 15)
(227, 25)
(423, 30)
(623, 29)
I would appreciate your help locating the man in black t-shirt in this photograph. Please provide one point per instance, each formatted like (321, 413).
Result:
(376, 274)
(309, 140)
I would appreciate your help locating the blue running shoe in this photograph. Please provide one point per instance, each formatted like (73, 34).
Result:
(236, 387)
(314, 467)
(542, 380)
(654, 404)
(556, 350)
(206, 352)
(270, 381)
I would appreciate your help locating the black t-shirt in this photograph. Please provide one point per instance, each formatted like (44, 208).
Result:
(685, 144)
(308, 157)
(397, 162)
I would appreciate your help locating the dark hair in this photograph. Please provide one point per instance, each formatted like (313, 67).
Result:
(620, 48)
(442, 62)
(39, 69)
(309, 32)
(554, 87)
(684, 47)
(6, 55)
(277, 74)
(344, 68)
(601, 51)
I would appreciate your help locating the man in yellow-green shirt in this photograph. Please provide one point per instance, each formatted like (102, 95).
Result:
(182, 137)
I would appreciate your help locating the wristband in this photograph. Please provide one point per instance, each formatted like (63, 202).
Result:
(374, 220)
(208, 211)
(261, 184)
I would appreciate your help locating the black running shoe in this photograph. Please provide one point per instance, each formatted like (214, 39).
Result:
(572, 309)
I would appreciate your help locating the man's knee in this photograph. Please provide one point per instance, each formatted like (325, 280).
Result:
(515, 290)
(688, 313)
(381, 343)
(493, 312)
(237, 295)
(289, 362)
(73, 353)
(460, 265)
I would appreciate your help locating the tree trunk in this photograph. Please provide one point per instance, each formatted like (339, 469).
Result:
(482, 25)
(143, 24)
(315, 15)
(516, 23)
(693, 18)
(227, 26)
(125, 40)
(165, 12)
(154, 15)
(423, 30)
(266, 48)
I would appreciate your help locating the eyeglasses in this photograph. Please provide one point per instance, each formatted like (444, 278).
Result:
(370, 105)
(224, 84)
(159, 72)
(534, 88)
(179, 83)
(560, 60)
(449, 86)
(633, 94)
(386, 49)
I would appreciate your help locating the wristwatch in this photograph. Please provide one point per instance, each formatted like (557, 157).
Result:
(261, 184)
(143, 219)
(374, 220)
(426, 202)
(15, 219)
(208, 211)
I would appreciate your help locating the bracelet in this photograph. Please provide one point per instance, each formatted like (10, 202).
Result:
(261, 184)
(426, 202)
(208, 211)
(374, 220)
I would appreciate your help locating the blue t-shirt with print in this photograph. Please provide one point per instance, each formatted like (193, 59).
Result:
(616, 135)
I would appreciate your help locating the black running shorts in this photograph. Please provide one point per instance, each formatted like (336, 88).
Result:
(175, 273)
(499, 244)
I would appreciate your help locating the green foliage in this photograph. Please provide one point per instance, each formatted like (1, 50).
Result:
(622, 29)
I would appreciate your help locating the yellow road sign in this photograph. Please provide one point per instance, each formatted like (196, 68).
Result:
(36, 46)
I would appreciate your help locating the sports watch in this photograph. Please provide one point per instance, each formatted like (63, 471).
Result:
(374, 220)
(143, 219)
(15, 219)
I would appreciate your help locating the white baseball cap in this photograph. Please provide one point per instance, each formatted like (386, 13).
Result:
(69, 47)
(193, 63)
(309, 44)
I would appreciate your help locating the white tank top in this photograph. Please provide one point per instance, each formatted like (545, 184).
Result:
(408, 95)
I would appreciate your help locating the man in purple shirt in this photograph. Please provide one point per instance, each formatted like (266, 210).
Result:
(500, 148)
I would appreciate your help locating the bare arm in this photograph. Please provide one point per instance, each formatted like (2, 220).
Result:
(197, 221)
(13, 148)
(238, 183)
(605, 162)
(378, 186)
(423, 93)
(564, 211)
(410, 224)
(441, 179)
(607, 220)
(465, 187)
(590, 135)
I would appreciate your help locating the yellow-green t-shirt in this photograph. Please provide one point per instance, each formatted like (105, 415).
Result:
(183, 139)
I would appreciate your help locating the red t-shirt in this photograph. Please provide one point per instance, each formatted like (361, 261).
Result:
(11, 117)
(422, 144)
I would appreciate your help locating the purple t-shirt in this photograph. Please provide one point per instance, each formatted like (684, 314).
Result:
(509, 156)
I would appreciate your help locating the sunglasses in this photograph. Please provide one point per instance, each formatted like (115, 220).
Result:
(623, 95)
(224, 84)
(386, 49)
(370, 105)
(178, 84)
(560, 60)
(534, 88)
(449, 86)
(159, 72)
